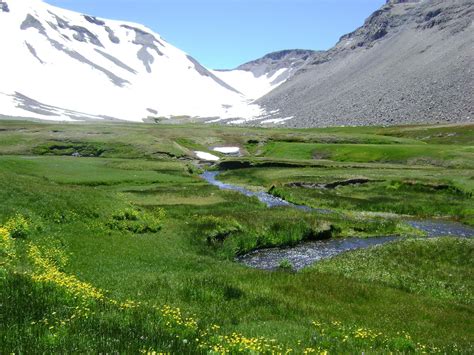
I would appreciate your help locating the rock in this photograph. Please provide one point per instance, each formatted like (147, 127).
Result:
(4, 6)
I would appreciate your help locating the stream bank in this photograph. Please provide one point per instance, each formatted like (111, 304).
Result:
(307, 253)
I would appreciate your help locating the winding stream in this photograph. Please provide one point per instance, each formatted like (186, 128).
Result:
(307, 253)
(269, 200)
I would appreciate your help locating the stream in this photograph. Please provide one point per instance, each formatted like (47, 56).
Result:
(308, 253)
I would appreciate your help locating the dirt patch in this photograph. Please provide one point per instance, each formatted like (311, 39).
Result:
(69, 148)
(427, 187)
(241, 164)
(321, 155)
(331, 185)
(85, 149)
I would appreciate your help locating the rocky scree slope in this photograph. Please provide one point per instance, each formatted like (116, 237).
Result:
(411, 62)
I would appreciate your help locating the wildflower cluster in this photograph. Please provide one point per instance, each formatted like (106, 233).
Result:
(333, 337)
(337, 337)
(173, 319)
(237, 343)
(47, 272)
(55, 321)
(7, 248)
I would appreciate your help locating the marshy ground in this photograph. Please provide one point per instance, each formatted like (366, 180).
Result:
(111, 240)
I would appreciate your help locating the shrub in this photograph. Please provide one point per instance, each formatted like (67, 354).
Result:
(126, 215)
(151, 222)
(18, 226)
(138, 222)
(217, 229)
(321, 230)
(285, 265)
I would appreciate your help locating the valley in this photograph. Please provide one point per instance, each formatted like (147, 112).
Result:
(113, 242)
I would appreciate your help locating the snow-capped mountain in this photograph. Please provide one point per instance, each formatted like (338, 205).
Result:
(57, 64)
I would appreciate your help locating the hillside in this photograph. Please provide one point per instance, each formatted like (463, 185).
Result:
(258, 77)
(411, 62)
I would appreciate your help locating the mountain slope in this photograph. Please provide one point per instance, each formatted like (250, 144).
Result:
(61, 65)
(259, 77)
(411, 62)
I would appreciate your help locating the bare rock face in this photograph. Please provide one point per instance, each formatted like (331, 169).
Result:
(94, 20)
(411, 62)
(394, 2)
(4, 6)
(271, 63)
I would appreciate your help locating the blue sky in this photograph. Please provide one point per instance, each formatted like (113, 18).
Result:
(223, 34)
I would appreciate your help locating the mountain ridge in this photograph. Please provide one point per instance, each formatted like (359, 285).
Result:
(260, 76)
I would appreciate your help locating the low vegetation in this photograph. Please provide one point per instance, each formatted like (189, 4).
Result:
(231, 235)
(441, 268)
(130, 250)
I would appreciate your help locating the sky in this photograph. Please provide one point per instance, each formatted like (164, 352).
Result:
(222, 34)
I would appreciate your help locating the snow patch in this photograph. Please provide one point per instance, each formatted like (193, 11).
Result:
(206, 156)
(277, 120)
(227, 150)
(249, 85)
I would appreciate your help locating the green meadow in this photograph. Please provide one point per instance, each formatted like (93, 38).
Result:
(125, 248)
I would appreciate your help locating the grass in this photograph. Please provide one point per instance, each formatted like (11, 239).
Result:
(441, 268)
(417, 191)
(113, 245)
(413, 154)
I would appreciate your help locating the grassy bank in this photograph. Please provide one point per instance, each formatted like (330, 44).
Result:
(441, 268)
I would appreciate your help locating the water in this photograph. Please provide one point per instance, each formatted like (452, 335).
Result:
(266, 198)
(442, 228)
(269, 200)
(308, 253)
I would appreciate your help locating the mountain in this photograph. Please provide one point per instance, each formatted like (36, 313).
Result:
(257, 78)
(61, 65)
(411, 62)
